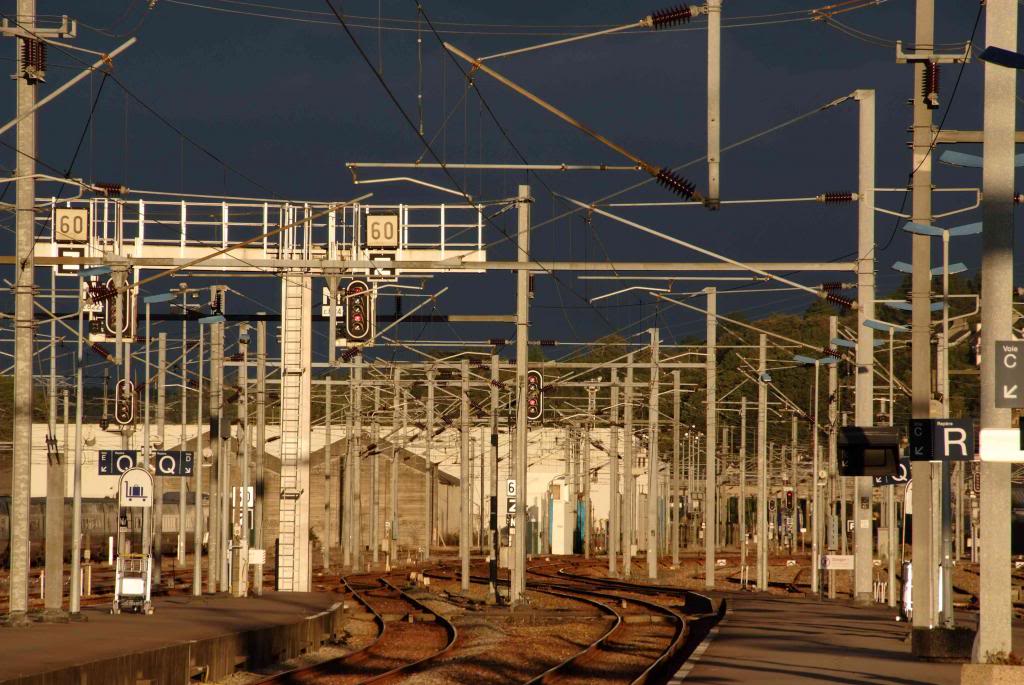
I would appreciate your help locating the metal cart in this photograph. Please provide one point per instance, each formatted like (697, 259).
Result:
(133, 574)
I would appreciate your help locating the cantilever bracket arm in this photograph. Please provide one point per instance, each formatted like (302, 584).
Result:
(664, 175)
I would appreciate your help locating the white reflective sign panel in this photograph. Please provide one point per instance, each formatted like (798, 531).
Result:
(837, 562)
(1001, 445)
(135, 489)
(71, 225)
(382, 231)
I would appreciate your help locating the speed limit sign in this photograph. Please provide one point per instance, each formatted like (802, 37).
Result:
(382, 231)
(510, 487)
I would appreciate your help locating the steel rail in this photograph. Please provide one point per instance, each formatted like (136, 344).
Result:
(329, 668)
(679, 636)
(586, 653)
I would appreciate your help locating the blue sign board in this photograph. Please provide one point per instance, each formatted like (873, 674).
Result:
(116, 462)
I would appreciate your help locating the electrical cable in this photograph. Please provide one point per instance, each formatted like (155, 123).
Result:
(433, 154)
(160, 117)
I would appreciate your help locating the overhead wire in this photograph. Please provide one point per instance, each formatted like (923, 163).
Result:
(394, 99)
(371, 23)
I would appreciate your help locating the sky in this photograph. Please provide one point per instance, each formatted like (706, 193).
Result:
(275, 105)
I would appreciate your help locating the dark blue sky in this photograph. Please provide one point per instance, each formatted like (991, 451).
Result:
(287, 103)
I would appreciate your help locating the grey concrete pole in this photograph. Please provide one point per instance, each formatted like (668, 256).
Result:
(958, 518)
(762, 462)
(428, 518)
(695, 516)
(161, 425)
(614, 498)
(393, 485)
(147, 445)
(53, 599)
(518, 585)
(465, 522)
(864, 379)
(674, 495)
(571, 477)
(346, 469)
(356, 495)
(588, 519)
(24, 328)
(997, 317)
(223, 458)
(375, 466)
(947, 614)
(183, 397)
(492, 588)
(711, 429)
(629, 495)
(652, 459)
(793, 458)
(483, 537)
(742, 508)
(838, 484)
(75, 602)
(332, 537)
(261, 441)
(481, 534)
(714, 11)
(240, 567)
(197, 541)
(924, 595)
(214, 542)
(472, 491)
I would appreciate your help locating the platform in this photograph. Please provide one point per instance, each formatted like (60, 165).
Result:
(769, 639)
(184, 636)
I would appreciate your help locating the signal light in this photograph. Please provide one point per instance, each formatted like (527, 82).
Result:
(671, 16)
(124, 402)
(534, 395)
(790, 503)
(358, 312)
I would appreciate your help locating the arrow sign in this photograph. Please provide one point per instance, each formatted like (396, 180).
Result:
(920, 439)
(1009, 374)
(901, 478)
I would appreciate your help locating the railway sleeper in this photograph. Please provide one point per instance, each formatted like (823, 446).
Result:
(420, 617)
(648, 618)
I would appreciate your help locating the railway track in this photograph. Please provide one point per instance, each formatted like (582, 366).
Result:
(410, 636)
(636, 649)
(645, 642)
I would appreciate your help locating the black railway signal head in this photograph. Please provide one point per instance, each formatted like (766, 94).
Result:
(534, 395)
(358, 312)
(124, 402)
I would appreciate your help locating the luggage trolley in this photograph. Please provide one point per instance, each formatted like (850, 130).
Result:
(132, 582)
